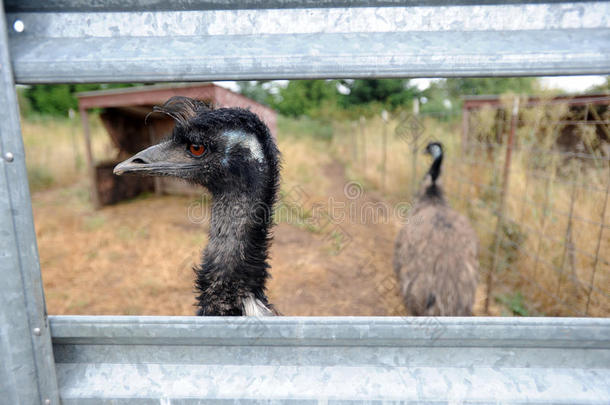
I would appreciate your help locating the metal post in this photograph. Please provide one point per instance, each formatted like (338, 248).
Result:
(71, 116)
(95, 200)
(384, 152)
(363, 135)
(464, 146)
(568, 246)
(354, 137)
(599, 242)
(27, 369)
(415, 140)
(505, 184)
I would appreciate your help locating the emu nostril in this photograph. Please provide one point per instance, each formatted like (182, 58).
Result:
(138, 160)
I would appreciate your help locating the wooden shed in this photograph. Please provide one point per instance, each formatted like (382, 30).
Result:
(592, 110)
(123, 115)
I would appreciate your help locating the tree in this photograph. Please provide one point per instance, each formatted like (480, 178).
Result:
(304, 97)
(256, 90)
(601, 88)
(391, 93)
(470, 86)
(433, 99)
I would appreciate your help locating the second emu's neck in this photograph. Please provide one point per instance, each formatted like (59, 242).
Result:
(435, 168)
(234, 267)
(434, 193)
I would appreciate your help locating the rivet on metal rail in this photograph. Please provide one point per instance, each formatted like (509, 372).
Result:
(18, 26)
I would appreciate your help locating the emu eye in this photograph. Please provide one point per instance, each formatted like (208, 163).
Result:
(196, 150)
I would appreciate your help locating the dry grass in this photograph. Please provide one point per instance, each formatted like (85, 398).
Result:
(133, 258)
(55, 152)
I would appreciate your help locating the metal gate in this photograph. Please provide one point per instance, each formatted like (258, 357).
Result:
(184, 360)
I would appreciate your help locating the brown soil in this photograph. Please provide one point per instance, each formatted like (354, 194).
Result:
(136, 257)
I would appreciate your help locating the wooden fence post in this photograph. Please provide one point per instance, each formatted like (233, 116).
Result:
(89, 154)
(384, 152)
(505, 185)
(415, 139)
(363, 136)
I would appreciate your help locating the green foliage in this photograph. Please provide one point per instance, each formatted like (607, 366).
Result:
(305, 126)
(57, 99)
(256, 90)
(392, 93)
(471, 86)
(435, 96)
(514, 303)
(511, 241)
(305, 97)
(453, 89)
(39, 178)
(321, 99)
(601, 88)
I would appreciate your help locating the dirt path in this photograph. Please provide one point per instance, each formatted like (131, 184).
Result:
(343, 267)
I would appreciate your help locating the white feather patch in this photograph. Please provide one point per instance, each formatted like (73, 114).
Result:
(436, 151)
(246, 141)
(254, 307)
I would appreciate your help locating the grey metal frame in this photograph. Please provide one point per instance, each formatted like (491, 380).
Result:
(214, 40)
(27, 372)
(185, 360)
(197, 360)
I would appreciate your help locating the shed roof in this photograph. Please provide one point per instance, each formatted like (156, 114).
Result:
(473, 102)
(158, 94)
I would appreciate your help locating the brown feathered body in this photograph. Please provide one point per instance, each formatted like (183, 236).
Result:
(436, 258)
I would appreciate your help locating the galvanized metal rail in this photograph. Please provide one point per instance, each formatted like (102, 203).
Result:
(217, 40)
(194, 360)
(190, 360)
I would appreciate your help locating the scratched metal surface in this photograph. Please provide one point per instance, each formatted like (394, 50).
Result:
(211, 41)
(185, 360)
(27, 372)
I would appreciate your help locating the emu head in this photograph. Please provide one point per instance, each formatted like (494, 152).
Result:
(435, 149)
(223, 149)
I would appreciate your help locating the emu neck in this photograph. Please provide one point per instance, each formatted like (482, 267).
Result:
(435, 168)
(234, 263)
(433, 193)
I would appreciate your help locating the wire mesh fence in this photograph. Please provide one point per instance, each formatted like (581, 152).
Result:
(533, 176)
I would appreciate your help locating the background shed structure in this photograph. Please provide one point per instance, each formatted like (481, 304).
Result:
(124, 117)
(590, 109)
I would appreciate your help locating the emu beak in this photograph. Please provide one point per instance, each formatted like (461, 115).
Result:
(164, 159)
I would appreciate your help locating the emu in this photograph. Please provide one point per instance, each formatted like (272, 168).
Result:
(231, 152)
(435, 256)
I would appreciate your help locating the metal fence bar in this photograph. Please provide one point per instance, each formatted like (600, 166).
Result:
(190, 360)
(27, 371)
(69, 41)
